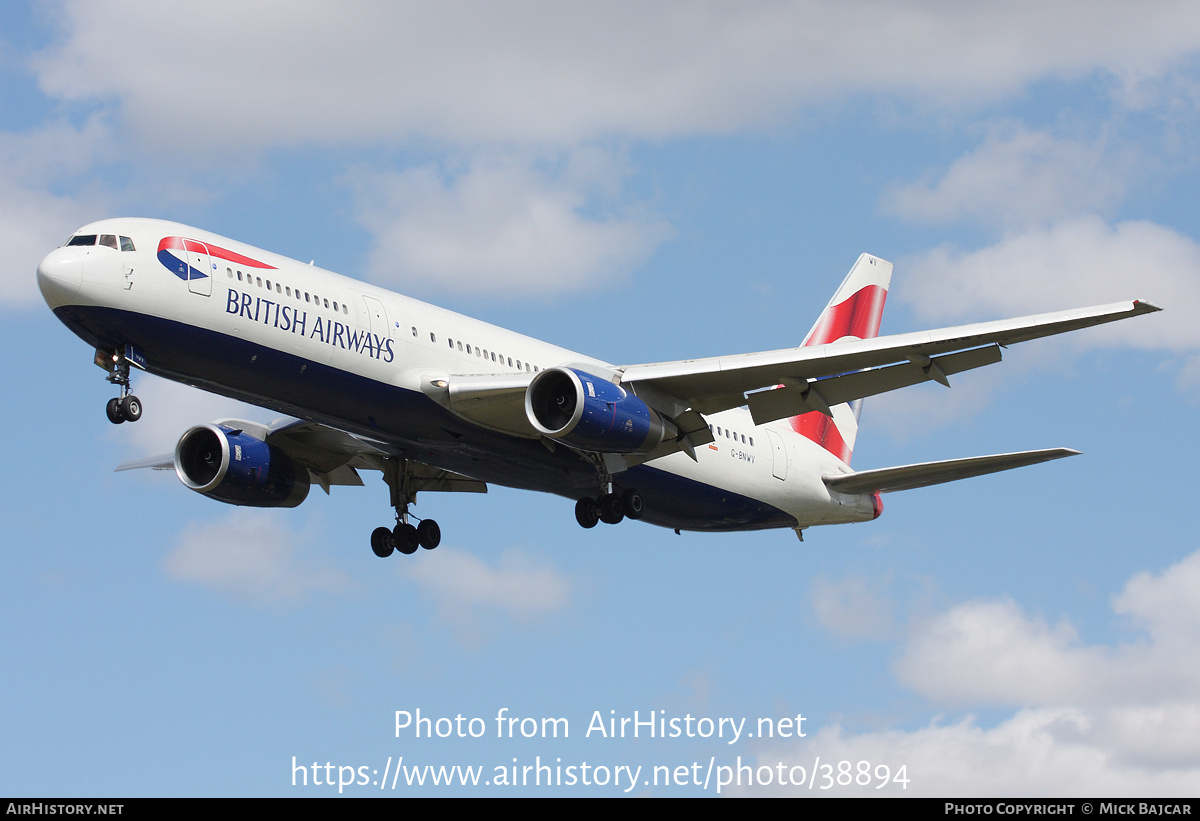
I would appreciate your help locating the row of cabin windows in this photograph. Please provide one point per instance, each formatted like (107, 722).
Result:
(728, 434)
(108, 240)
(280, 288)
(498, 358)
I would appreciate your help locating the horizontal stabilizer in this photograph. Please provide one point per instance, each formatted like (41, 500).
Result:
(907, 477)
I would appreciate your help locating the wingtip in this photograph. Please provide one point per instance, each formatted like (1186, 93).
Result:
(1144, 307)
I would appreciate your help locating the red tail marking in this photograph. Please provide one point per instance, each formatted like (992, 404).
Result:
(858, 315)
(820, 428)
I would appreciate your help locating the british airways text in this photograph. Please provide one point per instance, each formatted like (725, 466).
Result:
(286, 318)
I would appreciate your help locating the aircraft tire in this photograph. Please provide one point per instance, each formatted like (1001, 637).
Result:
(113, 410)
(611, 510)
(406, 539)
(131, 408)
(429, 534)
(382, 543)
(634, 504)
(587, 512)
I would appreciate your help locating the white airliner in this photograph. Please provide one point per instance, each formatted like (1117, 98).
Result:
(441, 402)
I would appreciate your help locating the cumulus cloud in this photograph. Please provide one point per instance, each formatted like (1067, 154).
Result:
(856, 607)
(1115, 719)
(471, 592)
(516, 585)
(254, 556)
(991, 652)
(503, 226)
(535, 71)
(1037, 752)
(1018, 177)
(41, 198)
(1075, 262)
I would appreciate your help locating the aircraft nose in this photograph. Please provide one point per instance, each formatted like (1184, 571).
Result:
(60, 276)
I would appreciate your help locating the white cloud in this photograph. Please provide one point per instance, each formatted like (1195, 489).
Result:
(1120, 719)
(472, 593)
(516, 585)
(1018, 177)
(252, 555)
(1073, 263)
(1038, 752)
(503, 226)
(261, 74)
(41, 198)
(991, 652)
(855, 607)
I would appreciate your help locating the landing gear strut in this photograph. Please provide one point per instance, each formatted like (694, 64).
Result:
(126, 407)
(611, 506)
(404, 537)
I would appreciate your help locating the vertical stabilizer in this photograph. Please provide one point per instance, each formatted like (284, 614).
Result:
(854, 311)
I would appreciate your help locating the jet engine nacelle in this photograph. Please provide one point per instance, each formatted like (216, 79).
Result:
(230, 466)
(590, 413)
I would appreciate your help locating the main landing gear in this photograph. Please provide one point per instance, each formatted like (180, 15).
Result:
(610, 508)
(126, 407)
(404, 537)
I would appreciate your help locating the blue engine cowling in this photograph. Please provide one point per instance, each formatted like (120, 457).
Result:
(589, 413)
(230, 466)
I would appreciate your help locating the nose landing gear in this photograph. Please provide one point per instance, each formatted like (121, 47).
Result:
(126, 407)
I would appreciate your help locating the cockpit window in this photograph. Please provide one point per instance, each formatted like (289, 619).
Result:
(127, 244)
(82, 239)
(109, 241)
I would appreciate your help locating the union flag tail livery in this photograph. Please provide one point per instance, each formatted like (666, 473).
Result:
(854, 312)
(438, 401)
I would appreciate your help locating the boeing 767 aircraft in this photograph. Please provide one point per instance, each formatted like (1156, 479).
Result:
(438, 401)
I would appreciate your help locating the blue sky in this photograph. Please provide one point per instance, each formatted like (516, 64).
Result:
(640, 183)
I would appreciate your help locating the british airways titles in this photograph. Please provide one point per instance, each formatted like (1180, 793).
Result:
(330, 331)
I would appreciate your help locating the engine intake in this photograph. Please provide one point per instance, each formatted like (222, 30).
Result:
(225, 464)
(589, 413)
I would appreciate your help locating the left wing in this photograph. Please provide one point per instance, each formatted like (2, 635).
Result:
(332, 457)
(816, 377)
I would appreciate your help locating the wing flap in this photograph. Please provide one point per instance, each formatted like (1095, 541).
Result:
(820, 395)
(907, 477)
